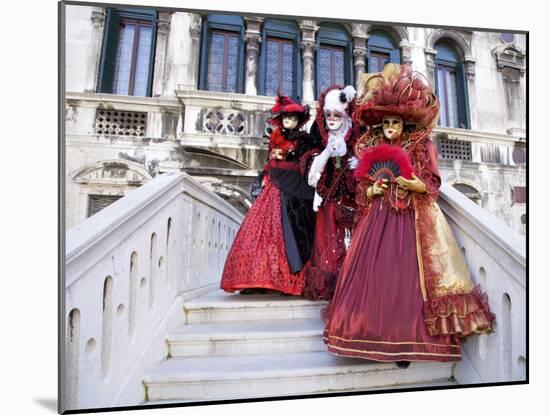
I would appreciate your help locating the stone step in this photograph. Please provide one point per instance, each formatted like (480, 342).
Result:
(247, 338)
(220, 306)
(284, 374)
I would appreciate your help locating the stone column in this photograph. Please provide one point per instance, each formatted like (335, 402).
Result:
(94, 51)
(253, 38)
(195, 31)
(163, 29)
(359, 62)
(430, 65)
(406, 52)
(309, 45)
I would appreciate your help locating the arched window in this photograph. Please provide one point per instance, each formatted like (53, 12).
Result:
(381, 49)
(222, 54)
(451, 86)
(127, 55)
(279, 62)
(334, 59)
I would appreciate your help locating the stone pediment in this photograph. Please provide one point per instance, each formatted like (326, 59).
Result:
(510, 56)
(113, 171)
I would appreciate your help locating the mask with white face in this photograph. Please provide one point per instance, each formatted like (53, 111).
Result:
(290, 121)
(392, 125)
(334, 120)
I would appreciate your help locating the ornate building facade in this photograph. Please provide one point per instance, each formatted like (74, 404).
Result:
(152, 91)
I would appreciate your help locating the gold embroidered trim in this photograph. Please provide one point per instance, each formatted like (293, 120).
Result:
(419, 253)
(395, 354)
(385, 342)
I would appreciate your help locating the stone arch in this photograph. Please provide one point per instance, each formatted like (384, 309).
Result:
(468, 188)
(398, 33)
(238, 197)
(464, 49)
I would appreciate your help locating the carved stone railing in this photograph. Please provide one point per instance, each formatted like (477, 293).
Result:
(129, 268)
(495, 255)
(93, 114)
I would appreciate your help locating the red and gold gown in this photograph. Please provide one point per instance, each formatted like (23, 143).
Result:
(390, 303)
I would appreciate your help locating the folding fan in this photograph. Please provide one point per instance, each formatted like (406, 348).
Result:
(384, 162)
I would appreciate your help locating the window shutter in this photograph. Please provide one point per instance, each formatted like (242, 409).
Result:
(395, 56)
(462, 97)
(110, 44)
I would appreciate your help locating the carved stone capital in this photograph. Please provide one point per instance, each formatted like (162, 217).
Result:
(406, 52)
(98, 17)
(163, 24)
(252, 39)
(195, 28)
(470, 67)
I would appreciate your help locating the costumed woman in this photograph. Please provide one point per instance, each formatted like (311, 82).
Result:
(405, 292)
(274, 241)
(331, 174)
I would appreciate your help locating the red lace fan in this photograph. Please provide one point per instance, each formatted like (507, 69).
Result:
(384, 161)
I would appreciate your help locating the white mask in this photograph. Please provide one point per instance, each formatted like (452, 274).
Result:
(392, 125)
(334, 120)
(290, 121)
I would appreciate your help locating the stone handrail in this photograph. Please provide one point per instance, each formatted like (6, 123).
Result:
(129, 268)
(495, 255)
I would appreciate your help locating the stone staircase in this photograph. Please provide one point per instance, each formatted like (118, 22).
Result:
(236, 346)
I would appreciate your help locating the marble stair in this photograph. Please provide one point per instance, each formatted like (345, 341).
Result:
(236, 346)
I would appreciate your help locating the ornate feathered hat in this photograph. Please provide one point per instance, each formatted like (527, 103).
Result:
(284, 106)
(397, 90)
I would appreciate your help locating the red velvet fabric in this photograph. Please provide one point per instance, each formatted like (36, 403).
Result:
(376, 311)
(257, 258)
(327, 256)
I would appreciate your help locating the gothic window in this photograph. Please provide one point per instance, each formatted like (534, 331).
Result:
(381, 49)
(128, 52)
(450, 87)
(279, 61)
(334, 63)
(222, 54)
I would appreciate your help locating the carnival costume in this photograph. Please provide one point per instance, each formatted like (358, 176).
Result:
(331, 174)
(274, 241)
(405, 292)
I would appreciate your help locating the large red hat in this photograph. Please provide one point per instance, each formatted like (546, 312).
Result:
(284, 106)
(399, 92)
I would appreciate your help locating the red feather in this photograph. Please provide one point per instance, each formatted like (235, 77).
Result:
(384, 152)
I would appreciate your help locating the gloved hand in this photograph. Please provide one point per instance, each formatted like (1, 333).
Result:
(317, 200)
(378, 188)
(353, 162)
(413, 185)
(337, 146)
(317, 166)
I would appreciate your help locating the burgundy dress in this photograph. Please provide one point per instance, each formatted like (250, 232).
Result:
(376, 312)
(337, 188)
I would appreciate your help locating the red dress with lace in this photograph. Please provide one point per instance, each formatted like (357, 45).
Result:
(259, 257)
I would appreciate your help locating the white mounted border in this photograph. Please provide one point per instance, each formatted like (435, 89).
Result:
(129, 270)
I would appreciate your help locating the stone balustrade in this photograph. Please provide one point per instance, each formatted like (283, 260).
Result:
(129, 269)
(495, 255)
